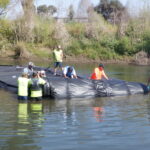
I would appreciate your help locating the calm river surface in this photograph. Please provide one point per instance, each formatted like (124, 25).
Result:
(115, 123)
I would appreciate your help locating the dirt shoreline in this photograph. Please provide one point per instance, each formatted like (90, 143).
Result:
(140, 59)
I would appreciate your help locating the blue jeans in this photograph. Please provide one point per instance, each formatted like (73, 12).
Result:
(58, 64)
(22, 97)
(36, 98)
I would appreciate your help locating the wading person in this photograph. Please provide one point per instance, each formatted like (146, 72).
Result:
(58, 58)
(35, 87)
(23, 87)
(99, 73)
(69, 72)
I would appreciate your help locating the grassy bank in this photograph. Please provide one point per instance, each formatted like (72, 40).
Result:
(96, 40)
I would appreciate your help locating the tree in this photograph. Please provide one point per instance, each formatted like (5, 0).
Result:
(52, 9)
(83, 8)
(3, 6)
(42, 9)
(61, 34)
(25, 25)
(71, 12)
(46, 10)
(111, 10)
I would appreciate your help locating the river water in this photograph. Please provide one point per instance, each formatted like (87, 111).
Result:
(114, 123)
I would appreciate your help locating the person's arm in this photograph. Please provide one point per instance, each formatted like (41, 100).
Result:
(54, 55)
(104, 75)
(74, 74)
(42, 81)
(61, 54)
(65, 72)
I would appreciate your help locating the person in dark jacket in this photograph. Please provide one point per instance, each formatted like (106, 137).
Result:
(35, 86)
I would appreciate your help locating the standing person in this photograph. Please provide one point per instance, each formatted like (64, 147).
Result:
(29, 70)
(23, 87)
(35, 86)
(99, 73)
(69, 72)
(58, 58)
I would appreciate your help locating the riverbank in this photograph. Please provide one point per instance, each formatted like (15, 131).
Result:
(139, 59)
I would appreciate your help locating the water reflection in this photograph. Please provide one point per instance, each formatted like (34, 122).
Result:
(36, 125)
(98, 113)
(30, 112)
(78, 123)
(148, 106)
(23, 113)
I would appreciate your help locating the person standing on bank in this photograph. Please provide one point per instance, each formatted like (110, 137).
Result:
(58, 59)
(99, 73)
(35, 87)
(23, 87)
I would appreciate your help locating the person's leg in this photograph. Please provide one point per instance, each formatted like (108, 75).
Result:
(39, 98)
(36, 98)
(55, 67)
(22, 98)
(60, 66)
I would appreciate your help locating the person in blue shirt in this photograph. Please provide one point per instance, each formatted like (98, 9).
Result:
(69, 72)
(29, 70)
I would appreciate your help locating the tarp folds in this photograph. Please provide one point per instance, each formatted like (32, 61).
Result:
(61, 88)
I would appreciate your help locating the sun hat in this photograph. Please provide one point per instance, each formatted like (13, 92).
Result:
(31, 63)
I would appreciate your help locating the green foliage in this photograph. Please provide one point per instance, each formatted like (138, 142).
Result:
(109, 8)
(37, 50)
(71, 12)
(109, 42)
(6, 30)
(47, 10)
(4, 3)
(124, 46)
(145, 44)
(76, 30)
(4, 44)
(44, 30)
(96, 39)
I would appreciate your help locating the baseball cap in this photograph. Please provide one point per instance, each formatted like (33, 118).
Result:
(42, 72)
(31, 64)
(101, 65)
(70, 68)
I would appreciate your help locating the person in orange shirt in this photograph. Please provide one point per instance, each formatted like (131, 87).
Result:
(99, 73)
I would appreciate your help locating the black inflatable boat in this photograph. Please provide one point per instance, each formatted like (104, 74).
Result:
(61, 88)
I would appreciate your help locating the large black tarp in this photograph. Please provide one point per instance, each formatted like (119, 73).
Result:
(59, 87)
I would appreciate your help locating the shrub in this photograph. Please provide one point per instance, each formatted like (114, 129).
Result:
(145, 45)
(76, 30)
(44, 30)
(21, 51)
(124, 46)
(6, 30)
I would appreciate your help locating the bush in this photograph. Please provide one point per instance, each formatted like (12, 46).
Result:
(44, 30)
(145, 44)
(124, 47)
(109, 42)
(6, 30)
(76, 30)
(21, 51)
(92, 54)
